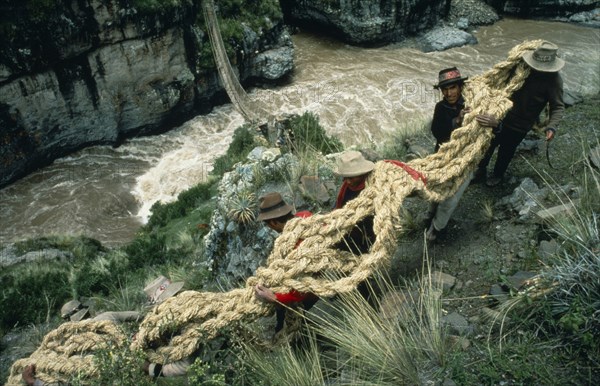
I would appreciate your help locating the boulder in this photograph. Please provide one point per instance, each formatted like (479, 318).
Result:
(443, 38)
(366, 22)
(464, 13)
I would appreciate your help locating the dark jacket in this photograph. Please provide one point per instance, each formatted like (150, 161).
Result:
(443, 120)
(529, 101)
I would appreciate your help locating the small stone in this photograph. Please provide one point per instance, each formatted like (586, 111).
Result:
(498, 294)
(547, 249)
(519, 279)
(556, 211)
(462, 23)
(312, 187)
(394, 303)
(457, 324)
(443, 280)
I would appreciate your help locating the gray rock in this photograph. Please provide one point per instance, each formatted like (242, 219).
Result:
(571, 98)
(530, 145)
(520, 279)
(462, 23)
(443, 280)
(476, 12)
(595, 157)
(543, 8)
(9, 257)
(367, 22)
(448, 382)
(525, 200)
(588, 19)
(498, 294)
(273, 64)
(261, 153)
(457, 324)
(237, 250)
(396, 303)
(547, 249)
(443, 38)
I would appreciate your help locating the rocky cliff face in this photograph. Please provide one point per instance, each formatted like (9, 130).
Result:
(543, 8)
(367, 22)
(79, 72)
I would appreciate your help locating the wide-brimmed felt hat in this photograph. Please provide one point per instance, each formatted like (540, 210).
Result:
(449, 76)
(161, 289)
(74, 310)
(544, 58)
(353, 163)
(273, 206)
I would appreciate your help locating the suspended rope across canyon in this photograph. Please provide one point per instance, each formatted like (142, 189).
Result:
(250, 110)
(176, 329)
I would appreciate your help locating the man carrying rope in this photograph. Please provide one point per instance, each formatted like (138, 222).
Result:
(354, 169)
(275, 213)
(544, 85)
(447, 116)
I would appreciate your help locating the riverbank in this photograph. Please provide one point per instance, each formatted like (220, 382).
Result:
(360, 95)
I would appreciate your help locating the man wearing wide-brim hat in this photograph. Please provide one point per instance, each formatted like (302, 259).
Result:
(354, 169)
(543, 86)
(275, 213)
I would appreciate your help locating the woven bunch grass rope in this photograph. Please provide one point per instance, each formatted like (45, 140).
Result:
(177, 328)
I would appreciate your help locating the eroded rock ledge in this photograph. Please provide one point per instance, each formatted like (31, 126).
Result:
(84, 72)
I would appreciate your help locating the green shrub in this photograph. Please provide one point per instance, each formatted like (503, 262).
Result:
(310, 135)
(241, 144)
(119, 366)
(147, 6)
(148, 249)
(186, 202)
(97, 276)
(32, 293)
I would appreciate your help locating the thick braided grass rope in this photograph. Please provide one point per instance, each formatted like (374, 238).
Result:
(176, 328)
(69, 350)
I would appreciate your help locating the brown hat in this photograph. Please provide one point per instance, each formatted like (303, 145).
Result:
(273, 206)
(352, 164)
(544, 58)
(161, 289)
(449, 76)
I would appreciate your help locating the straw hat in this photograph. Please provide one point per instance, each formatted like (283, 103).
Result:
(352, 164)
(544, 58)
(273, 206)
(161, 289)
(449, 76)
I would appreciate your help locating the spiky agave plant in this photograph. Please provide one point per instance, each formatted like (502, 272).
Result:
(243, 208)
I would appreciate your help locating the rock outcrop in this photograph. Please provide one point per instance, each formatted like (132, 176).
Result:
(443, 38)
(543, 8)
(84, 72)
(367, 22)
